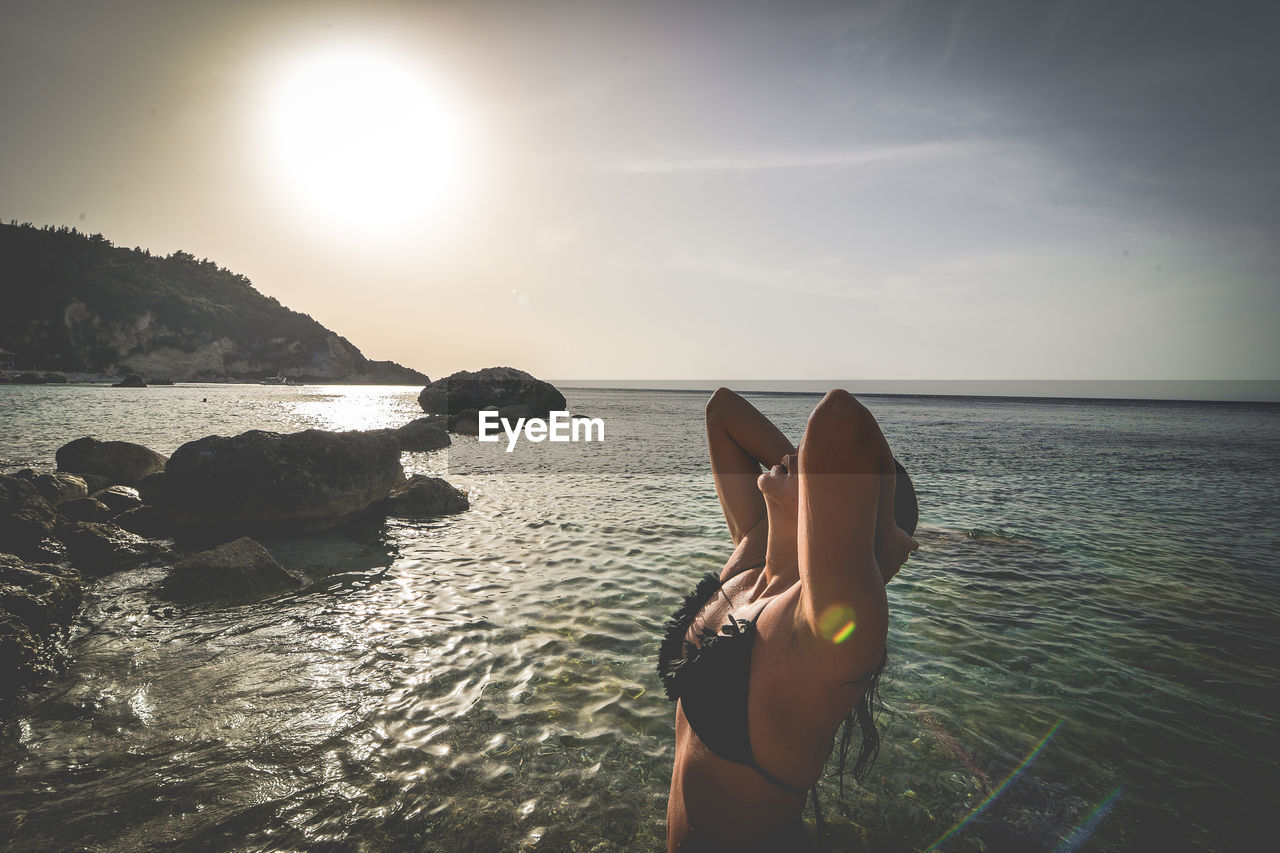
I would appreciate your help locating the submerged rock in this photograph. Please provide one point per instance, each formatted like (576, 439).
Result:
(55, 488)
(460, 395)
(239, 569)
(423, 434)
(27, 522)
(36, 600)
(420, 497)
(40, 594)
(98, 549)
(121, 462)
(468, 422)
(308, 480)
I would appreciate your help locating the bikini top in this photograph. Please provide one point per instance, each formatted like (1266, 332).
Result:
(712, 679)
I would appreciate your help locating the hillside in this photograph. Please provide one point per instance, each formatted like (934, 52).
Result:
(74, 302)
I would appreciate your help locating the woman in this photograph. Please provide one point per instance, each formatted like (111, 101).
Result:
(767, 659)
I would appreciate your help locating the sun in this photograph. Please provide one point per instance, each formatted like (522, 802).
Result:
(365, 138)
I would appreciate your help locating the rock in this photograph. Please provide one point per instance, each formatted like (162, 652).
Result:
(422, 497)
(96, 482)
(258, 480)
(84, 509)
(146, 520)
(27, 522)
(118, 499)
(468, 422)
(35, 601)
(98, 549)
(239, 569)
(122, 462)
(151, 488)
(133, 380)
(55, 488)
(41, 595)
(20, 657)
(423, 434)
(503, 388)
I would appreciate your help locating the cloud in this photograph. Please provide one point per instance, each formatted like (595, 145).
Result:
(832, 277)
(849, 158)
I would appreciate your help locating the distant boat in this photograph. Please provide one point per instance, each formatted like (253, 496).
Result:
(275, 380)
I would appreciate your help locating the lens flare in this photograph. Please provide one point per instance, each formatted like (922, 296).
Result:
(1081, 832)
(837, 623)
(1009, 780)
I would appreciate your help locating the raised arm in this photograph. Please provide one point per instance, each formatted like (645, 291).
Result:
(740, 440)
(844, 460)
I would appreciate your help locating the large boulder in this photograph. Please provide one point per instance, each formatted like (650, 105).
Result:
(512, 392)
(56, 488)
(28, 524)
(35, 601)
(260, 480)
(239, 569)
(121, 462)
(423, 497)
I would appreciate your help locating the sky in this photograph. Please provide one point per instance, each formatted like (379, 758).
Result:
(643, 191)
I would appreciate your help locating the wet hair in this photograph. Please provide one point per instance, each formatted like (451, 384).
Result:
(863, 718)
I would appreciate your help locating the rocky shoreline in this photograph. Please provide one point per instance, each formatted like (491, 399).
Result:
(115, 505)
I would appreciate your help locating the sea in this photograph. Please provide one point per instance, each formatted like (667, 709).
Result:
(1084, 652)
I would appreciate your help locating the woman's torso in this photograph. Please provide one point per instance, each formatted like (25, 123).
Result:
(793, 706)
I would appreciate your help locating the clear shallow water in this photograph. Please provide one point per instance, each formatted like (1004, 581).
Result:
(485, 681)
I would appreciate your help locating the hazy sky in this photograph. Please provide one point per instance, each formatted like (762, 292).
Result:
(674, 190)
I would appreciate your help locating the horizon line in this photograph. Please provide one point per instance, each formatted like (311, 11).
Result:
(1165, 390)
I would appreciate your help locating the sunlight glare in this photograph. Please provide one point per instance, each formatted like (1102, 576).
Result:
(365, 138)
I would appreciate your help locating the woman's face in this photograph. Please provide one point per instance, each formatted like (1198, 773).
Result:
(780, 485)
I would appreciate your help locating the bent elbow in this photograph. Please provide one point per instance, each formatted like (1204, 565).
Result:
(840, 411)
(719, 399)
(839, 437)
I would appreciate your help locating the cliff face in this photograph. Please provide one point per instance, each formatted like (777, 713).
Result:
(71, 301)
